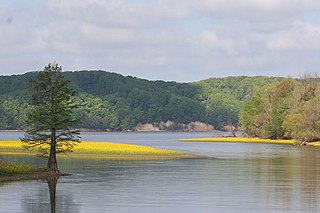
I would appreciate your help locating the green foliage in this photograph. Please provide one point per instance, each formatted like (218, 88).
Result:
(16, 85)
(238, 87)
(183, 110)
(285, 109)
(263, 114)
(94, 113)
(273, 128)
(222, 109)
(127, 101)
(112, 101)
(14, 113)
(303, 120)
(7, 169)
(51, 116)
(250, 117)
(223, 97)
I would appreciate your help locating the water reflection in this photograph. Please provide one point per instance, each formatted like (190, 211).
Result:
(52, 185)
(288, 182)
(48, 200)
(240, 178)
(291, 180)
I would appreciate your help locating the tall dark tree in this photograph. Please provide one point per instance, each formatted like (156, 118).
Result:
(51, 118)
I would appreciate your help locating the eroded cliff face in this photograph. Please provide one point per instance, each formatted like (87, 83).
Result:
(195, 126)
(199, 127)
(146, 128)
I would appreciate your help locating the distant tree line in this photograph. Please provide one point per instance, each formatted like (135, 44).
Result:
(112, 101)
(286, 108)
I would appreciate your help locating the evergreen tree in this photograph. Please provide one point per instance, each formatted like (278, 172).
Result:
(51, 117)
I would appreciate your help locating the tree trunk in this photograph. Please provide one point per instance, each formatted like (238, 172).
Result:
(52, 165)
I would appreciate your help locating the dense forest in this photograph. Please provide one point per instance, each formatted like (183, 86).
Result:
(109, 101)
(283, 109)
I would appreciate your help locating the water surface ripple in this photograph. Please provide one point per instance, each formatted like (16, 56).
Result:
(236, 178)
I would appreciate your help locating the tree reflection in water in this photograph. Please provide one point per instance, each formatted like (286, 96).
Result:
(50, 202)
(52, 184)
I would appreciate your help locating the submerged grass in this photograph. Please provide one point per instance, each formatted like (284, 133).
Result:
(102, 150)
(239, 140)
(8, 169)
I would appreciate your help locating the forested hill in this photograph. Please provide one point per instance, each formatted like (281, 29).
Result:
(112, 101)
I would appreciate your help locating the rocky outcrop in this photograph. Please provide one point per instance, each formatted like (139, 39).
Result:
(195, 126)
(146, 128)
(198, 127)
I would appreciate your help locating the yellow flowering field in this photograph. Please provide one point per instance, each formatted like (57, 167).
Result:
(10, 145)
(102, 150)
(115, 148)
(239, 140)
(316, 143)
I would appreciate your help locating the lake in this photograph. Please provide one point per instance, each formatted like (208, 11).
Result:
(235, 178)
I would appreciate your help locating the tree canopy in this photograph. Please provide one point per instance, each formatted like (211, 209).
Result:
(115, 102)
(284, 109)
(51, 116)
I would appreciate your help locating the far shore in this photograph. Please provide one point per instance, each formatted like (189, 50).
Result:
(101, 130)
(246, 140)
(239, 140)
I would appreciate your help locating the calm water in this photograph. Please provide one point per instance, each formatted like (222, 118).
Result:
(236, 178)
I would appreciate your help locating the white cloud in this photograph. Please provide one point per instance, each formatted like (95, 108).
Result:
(301, 36)
(264, 9)
(162, 39)
(211, 43)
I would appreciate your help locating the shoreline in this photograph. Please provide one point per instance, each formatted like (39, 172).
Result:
(92, 151)
(239, 140)
(249, 140)
(114, 157)
(32, 176)
(129, 131)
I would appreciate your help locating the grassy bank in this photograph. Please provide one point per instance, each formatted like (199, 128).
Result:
(103, 150)
(239, 140)
(8, 169)
(16, 172)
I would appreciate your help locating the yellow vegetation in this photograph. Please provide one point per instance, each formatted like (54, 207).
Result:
(239, 140)
(10, 145)
(7, 169)
(115, 148)
(102, 150)
(316, 143)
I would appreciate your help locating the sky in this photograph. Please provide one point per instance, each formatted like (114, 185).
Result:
(172, 40)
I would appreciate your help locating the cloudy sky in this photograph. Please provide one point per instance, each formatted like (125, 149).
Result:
(180, 40)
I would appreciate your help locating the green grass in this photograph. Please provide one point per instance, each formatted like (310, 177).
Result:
(8, 169)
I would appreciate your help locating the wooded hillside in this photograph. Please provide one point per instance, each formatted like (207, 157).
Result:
(115, 102)
(284, 109)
